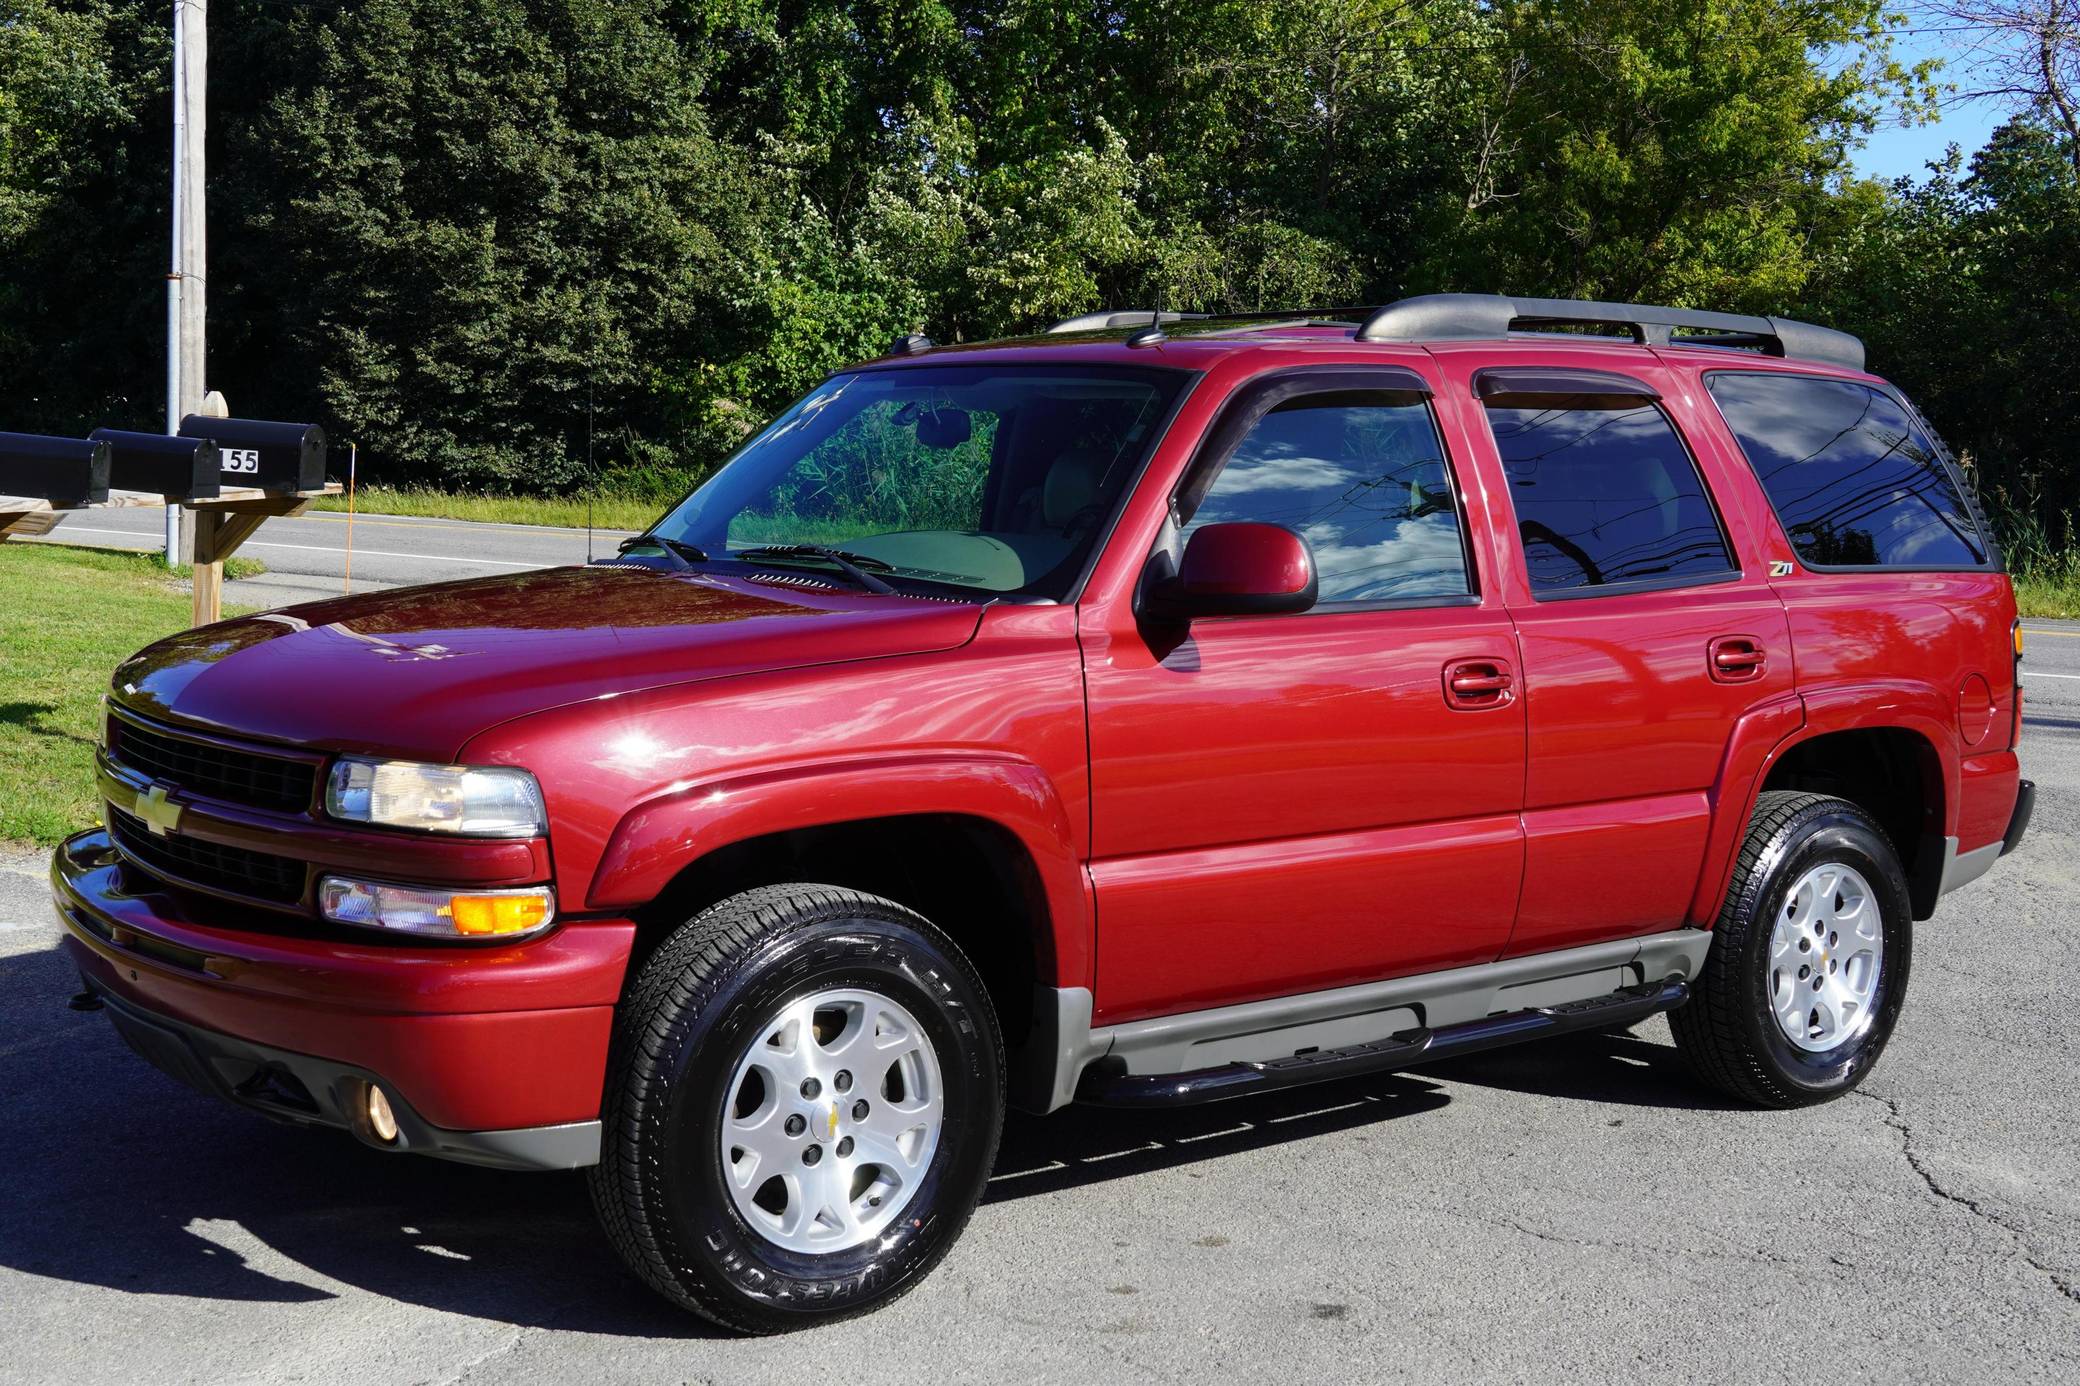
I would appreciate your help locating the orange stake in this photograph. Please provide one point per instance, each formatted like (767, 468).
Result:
(346, 585)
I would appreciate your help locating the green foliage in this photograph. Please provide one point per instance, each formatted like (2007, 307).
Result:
(507, 212)
(559, 245)
(83, 179)
(1964, 288)
(874, 476)
(1666, 150)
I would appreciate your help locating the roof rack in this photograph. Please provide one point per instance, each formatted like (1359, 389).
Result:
(1474, 317)
(1130, 317)
(1112, 318)
(1460, 317)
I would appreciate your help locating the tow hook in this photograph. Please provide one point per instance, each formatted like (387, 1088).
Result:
(85, 1001)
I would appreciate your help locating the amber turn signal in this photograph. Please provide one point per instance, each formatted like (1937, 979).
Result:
(436, 912)
(480, 915)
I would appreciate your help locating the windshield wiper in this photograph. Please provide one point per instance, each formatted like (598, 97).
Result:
(853, 565)
(682, 554)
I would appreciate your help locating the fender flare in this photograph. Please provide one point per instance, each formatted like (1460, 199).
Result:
(1767, 732)
(663, 835)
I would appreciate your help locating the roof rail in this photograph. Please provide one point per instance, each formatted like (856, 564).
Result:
(1131, 317)
(1450, 317)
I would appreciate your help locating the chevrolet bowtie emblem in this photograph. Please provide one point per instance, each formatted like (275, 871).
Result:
(833, 1121)
(159, 813)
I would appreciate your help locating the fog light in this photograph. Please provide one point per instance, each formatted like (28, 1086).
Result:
(382, 1122)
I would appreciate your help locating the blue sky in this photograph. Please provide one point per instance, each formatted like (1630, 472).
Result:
(1892, 152)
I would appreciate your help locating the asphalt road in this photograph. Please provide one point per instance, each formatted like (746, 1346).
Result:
(1574, 1211)
(307, 558)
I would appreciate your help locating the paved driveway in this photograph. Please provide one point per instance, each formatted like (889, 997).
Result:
(1577, 1211)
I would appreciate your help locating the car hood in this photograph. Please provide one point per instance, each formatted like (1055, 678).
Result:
(417, 672)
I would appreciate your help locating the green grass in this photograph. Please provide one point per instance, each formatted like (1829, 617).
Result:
(234, 568)
(2042, 549)
(67, 617)
(608, 511)
(2048, 594)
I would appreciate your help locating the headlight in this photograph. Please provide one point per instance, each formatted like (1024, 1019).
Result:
(474, 800)
(436, 912)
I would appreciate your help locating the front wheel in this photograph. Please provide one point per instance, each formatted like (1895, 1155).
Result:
(1808, 964)
(803, 1103)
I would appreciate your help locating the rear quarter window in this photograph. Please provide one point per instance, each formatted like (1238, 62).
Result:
(1855, 482)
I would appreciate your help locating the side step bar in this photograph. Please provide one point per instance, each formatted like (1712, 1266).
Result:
(1380, 1056)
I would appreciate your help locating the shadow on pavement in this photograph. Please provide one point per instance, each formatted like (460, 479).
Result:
(118, 1176)
(1615, 1066)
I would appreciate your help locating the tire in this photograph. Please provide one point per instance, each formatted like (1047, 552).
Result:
(709, 1046)
(1747, 1028)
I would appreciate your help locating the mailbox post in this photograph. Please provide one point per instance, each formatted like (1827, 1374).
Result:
(285, 460)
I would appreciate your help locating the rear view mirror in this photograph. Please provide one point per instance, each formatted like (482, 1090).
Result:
(944, 428)
(1238, 569)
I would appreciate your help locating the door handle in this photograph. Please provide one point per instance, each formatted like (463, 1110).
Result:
(1737, 659)
(1471, 685)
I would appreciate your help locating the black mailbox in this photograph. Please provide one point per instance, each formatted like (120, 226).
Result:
(258, 452)
(63, 471)
(177, 468)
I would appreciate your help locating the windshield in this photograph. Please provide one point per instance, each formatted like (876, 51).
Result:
(997, 479)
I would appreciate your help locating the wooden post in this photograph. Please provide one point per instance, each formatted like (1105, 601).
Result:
(220, 527)
(210, 553)
(25, 524)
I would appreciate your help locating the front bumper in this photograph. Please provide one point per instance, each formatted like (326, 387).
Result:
(309, 1091)
(495, 1055)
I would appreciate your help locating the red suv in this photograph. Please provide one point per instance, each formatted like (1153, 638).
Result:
(1157, 711)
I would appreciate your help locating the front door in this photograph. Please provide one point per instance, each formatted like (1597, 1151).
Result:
(1294, 802)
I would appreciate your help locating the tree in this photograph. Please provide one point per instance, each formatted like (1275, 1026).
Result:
(494, 240)
(82, 274)
(1675, 150)
(1963, 287)
(2024, 54)
(484, 230)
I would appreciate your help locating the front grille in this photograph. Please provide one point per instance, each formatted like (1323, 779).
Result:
(256, 875)
(215, 772)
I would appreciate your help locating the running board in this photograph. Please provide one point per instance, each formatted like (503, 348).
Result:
(1405, 1050)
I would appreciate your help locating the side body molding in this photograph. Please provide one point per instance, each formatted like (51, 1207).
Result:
(658, 838)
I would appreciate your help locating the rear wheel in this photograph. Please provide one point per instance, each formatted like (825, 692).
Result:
(1809, 958)
(804, 1100)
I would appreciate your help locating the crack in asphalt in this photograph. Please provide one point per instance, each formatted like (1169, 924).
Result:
(1735, 1253)
(520, 1336)
(1898, 1122)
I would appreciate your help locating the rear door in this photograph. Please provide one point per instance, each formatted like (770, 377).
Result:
(1645, 637)
(1291, 802)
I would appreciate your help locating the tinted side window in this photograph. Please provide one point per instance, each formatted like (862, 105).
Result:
(1605, 492)
(1360, 476)
(1853, 480)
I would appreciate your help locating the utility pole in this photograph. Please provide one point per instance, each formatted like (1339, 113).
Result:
(187, 278)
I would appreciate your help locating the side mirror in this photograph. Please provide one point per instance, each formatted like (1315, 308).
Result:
(1239, 569)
